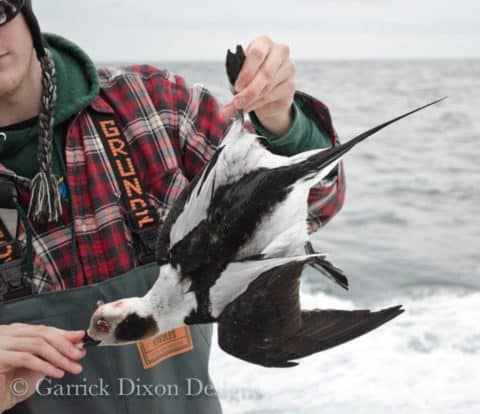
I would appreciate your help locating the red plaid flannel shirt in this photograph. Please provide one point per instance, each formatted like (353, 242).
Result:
(172, 132)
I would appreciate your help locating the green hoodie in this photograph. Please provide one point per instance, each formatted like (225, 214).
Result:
(306, 133)
(77, 87)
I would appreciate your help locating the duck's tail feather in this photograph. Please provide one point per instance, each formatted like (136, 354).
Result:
(324, 329)
(326, 268)
(319, 164)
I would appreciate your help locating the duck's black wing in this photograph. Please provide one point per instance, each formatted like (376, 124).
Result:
(259, 320)
(234, 63)
(266, 326)
(193, 189)
(163, 240)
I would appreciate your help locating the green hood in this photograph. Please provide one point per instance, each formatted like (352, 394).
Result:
(77, 87)
(77, 79)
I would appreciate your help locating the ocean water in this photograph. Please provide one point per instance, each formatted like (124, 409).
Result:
(409, 233)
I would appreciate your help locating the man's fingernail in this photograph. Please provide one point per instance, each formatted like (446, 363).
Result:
(77, 367)
(227, 110)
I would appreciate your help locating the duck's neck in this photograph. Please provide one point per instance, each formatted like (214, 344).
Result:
(169, 301)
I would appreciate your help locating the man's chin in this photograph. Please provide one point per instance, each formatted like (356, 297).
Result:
(10, 77)
(14, 80)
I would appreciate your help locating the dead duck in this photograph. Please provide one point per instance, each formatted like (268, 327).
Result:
(225, 238)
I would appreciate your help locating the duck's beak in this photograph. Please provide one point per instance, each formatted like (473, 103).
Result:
(89, 341)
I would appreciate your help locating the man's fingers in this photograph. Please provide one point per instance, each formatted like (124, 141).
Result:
(64, 346)
(255, 54)
(74, 336)
(285, 83)
(275, 108)
(279, 95)
(275, 69)
(285, 72)
(30, 362)
(61, 339)
(228, 111)
(40, 347)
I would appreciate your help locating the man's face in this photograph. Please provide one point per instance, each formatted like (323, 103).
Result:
(16, 55)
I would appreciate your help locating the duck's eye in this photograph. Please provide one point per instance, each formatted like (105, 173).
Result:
(102, 325)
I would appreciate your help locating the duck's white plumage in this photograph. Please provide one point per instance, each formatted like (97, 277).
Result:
(235, 279)
(241, 152)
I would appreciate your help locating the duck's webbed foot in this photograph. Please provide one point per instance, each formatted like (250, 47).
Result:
(202, 313)
(234, 64)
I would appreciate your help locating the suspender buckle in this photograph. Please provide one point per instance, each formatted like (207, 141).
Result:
(145, 239)
(14, 282)
(148, 238)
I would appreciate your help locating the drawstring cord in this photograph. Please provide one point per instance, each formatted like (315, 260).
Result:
(29, 230)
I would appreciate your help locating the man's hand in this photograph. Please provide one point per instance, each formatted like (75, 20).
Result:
(28, 353)
(266, 85)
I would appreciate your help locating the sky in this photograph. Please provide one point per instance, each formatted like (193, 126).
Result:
(157, 30)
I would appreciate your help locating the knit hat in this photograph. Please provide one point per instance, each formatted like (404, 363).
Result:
(45, 199)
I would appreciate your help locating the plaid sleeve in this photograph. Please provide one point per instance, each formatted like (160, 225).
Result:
(200, 127)
(326, 198)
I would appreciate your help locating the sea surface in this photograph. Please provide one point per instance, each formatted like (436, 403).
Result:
(409, 233)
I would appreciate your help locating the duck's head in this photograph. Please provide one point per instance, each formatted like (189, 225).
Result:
(128, 320)
(121, 322)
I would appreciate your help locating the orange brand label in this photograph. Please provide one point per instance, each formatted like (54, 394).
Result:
(110, 129)
(163, 346)
(129, 179)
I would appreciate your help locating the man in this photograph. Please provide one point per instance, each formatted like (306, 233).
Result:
(50, 147)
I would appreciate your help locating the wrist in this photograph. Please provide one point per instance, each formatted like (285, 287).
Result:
(277, 125)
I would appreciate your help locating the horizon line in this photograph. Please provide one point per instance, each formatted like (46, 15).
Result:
(300, 60)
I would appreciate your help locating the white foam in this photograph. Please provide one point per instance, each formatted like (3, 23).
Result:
(427, 360)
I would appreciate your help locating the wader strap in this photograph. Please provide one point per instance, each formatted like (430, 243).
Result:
(9, 247)
(8, 194)
(13, 280)
(141, 217)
